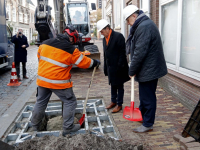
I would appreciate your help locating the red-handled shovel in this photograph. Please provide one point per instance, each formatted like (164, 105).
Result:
(81, 121)
(131, 113)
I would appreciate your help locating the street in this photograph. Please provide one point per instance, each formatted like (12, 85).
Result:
(8, 94)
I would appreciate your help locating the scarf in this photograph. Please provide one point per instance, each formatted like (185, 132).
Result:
(140, 16)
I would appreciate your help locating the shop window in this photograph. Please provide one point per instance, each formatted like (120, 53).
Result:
(180, 35)
(169, 30)
(190, 39)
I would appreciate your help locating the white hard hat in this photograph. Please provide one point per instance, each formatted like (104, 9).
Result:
(102, 24)
(129, 10)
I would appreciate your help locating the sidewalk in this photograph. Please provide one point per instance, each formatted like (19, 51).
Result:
(171, 115)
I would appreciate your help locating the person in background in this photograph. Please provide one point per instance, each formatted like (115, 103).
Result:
(147, 62)
(21, 43)
(115, 63)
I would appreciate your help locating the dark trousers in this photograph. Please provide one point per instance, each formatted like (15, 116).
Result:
(148, 101)
(117, 94)
(17, 65)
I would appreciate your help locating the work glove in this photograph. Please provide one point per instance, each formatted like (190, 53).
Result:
(96, 63)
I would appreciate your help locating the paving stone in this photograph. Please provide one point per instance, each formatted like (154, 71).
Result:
(184, 141)
(192, 145)
(177, 137)
(183, 148)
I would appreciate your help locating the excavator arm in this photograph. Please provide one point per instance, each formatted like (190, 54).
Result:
(43, 22)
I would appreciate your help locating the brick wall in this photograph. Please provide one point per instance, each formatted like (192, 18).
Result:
(186, 89)
(155, 11)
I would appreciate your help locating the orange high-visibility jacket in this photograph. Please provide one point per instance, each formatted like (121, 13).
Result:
(56, 58)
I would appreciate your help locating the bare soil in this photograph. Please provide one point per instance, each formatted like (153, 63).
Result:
(56, 123)
(76, 142)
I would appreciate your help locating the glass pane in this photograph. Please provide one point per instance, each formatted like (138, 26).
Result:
(169, 30)
(190, 43)
(77, 13)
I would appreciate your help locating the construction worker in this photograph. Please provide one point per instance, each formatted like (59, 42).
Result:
(115, 63)
(147, 62)
(56, 57)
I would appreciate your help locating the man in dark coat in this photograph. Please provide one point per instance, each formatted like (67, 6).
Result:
(21, 44)
(147, 62)
(115, 63)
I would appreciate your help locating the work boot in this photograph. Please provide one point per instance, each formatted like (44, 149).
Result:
(117, 109)
(19, 79)
(142, 129)
(74, 129)
(111, 105)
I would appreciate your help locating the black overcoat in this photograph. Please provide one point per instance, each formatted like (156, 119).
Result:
(147, 56)
(20, 53)
(115, 62)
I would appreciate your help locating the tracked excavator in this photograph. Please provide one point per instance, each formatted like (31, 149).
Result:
(74, 13)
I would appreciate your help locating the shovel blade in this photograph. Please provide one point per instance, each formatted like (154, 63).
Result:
(132, 114)
(82, 119)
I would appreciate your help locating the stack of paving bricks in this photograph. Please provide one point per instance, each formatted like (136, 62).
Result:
(188, 143)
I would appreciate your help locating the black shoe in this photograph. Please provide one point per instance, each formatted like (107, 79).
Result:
(74, 129)
(25, 77)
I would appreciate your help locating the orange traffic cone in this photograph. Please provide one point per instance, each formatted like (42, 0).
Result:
(13, 79)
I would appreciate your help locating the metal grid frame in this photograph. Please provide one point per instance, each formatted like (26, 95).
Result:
(97, 121)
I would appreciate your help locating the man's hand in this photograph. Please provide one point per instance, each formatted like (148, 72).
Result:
(17, 34)
(96, 63)
(23, 46)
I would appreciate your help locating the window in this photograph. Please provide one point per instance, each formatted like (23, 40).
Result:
(117, 14)
(8, 14)
(30, 18)
(24, 3)
(14, 14)
(144, 5)
(20, 17)
(190, 40)
(25, 18)
(180, 35)
(169, 30)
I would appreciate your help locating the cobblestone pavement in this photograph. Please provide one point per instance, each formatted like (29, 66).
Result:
(171, 115)
(9, 94)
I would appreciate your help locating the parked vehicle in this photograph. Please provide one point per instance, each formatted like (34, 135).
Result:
(6, 46)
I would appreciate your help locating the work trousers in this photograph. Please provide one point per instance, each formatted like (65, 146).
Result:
(69, 105)
(17, 65)
(117, 94)
(147, 96)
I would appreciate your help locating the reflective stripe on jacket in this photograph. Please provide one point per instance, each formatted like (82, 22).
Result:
(56, 58)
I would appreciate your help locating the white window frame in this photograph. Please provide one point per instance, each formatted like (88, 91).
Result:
(14, 14)
(176, 67)
(25, 18)
(21, 18)
(146, 11)
(8, 10)
(117, 12)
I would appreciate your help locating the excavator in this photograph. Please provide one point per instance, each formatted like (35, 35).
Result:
(74, 13)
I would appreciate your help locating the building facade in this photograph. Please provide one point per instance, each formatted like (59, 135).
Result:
(20, 15)
(178, 22)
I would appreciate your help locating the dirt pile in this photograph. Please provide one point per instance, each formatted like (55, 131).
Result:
(76, 142)
(56, 123)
